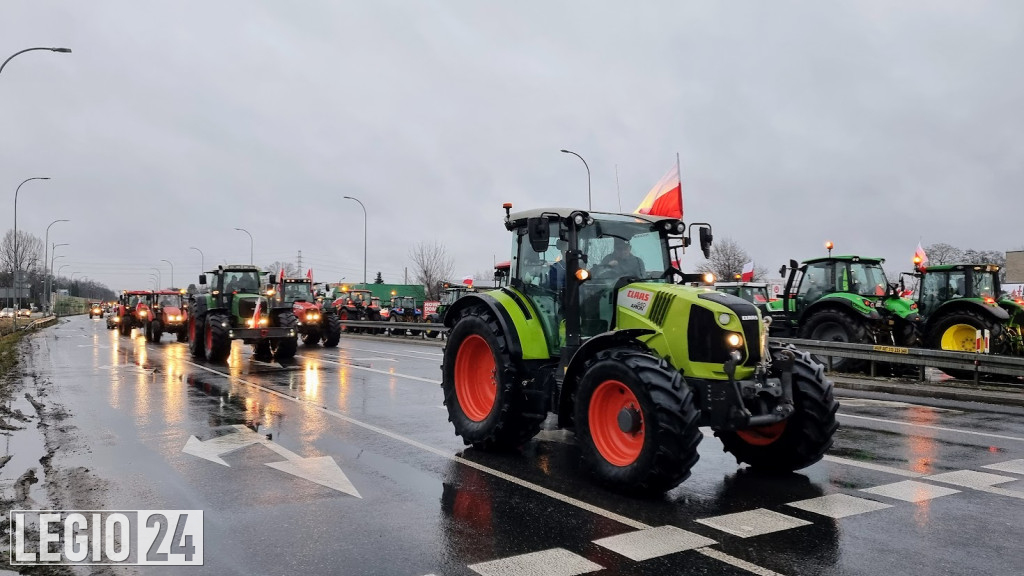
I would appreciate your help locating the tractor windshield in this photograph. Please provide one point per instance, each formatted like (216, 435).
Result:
(169, 300)
(984, 284)
(862, 278)
(246, 282)
(617, 249)
(296, 291)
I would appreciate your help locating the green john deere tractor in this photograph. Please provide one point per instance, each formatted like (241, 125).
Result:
(754, 292)
(958, 300)
(234, 309)
(593, 328)
(843, 299)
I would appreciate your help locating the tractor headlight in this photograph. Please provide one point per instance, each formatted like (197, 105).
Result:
(734, 340)
(724, 318)
(249, 323)
(709, 278)
(264, 321)
(117, 319)
(143, 313)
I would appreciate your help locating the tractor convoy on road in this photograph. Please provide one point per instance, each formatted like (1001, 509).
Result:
(593, 324)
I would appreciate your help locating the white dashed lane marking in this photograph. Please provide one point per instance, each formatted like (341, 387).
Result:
(654, 542)
(930, 427)
(910, 491)
(553, 562)
(970, 479)
(1011, 466)
(871, 466)
(753, 523)
(839, 505)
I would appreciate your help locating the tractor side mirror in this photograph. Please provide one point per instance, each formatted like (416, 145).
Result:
(782, 271)
(705, 241)
(539, 232)
(202, 279)
(272, 280)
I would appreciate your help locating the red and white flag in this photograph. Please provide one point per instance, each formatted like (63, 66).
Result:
(256, 313)
(666, 198)
(281, 277)
(920, 258)
(748, 272)
(468, 280)
(309, 275)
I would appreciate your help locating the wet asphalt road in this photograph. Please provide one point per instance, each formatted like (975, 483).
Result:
(428, 505)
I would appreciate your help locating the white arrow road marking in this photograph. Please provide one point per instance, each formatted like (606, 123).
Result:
(322, 470)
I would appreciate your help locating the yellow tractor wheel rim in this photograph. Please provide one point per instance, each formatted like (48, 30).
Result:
(961, 337)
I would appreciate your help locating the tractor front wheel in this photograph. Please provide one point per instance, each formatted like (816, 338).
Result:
(396, 331)
(157, 330)
(285, 348)
(311, 338)
(836, 326)
(332, 330)
(481, 391)
(636, 422)
(216, 343)
(798, 441)
(196, 335)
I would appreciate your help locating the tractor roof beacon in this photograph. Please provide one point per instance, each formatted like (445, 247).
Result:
(594, 327)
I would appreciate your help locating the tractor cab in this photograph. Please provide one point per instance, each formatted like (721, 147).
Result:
(294, 290)
(501, 273)
(404, 306)
(754, 292)
(237, 289)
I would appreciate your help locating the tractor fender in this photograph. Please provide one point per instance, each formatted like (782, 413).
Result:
(515, 348)
(993, 312)
(574, 370)
(837, 304)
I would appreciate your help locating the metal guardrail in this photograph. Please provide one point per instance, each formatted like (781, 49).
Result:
(976, 363)
(400, 325)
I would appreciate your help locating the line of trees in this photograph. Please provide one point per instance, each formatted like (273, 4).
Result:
(33, 270)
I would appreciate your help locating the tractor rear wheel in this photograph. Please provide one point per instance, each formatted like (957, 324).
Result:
(958, 331)
(481, 390)
(636, 422)
(196, 335)
(800, 440)
(836, 326)
(216, 343)
(332, 330)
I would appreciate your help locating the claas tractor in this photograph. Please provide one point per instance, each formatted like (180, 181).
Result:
(234, 309)
(167, 314)
(594, 328)
(315, 320)
(960, 300)
(132, 310)
(403, 309)
(843, 299)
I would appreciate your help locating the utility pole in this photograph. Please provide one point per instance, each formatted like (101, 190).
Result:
(300, 262)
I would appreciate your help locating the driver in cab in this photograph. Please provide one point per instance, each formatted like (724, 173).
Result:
(623, 261)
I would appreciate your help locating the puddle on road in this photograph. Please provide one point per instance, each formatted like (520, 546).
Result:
(25, 447)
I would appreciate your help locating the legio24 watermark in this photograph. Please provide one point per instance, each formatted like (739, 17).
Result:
(98, 537)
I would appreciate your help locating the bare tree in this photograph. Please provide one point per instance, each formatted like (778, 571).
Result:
(290, 270)
(30, 251)
(727, 260)
(431, 266)
(942, 253)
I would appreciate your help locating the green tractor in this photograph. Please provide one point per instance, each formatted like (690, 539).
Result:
(754, 292)
(593, 328)
(843, 299)
(959, 300)
(234, 309)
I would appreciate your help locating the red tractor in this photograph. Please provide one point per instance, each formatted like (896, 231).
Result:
(167, 313)
(355, 304)
(316, 320)
(132, 310)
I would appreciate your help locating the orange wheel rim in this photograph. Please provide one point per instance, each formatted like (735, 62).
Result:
(475, 383)
(612, 400)
(762, 435)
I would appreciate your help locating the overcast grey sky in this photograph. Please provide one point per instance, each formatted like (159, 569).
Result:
(872, 124)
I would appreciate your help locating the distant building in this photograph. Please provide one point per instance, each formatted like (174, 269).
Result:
(1015, 267)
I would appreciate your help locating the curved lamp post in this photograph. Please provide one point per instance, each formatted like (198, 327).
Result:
(590, 204)
(202, 258)
(172, 270)
(11, 57)
(17, 261)
(159, 276)
(250, 242)
(46, 278)
(364, 234)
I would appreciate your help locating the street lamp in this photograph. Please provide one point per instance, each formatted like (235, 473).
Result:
(46, 278)
(155, 281)
(172, 270)
(62, 266)
(202, 258)
(17, 261)
(250, 242)
(61, 50)
(590, 204)
(159, 276)
(364, 235)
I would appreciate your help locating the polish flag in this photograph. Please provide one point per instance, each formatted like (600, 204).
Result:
(309, 276)
(920, 258)
(256, 313)
(281, 277)
(666, 198)
(468, 280)
(748, 272)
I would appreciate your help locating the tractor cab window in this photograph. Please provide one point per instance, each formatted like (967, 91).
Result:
(168, 300)
(238, 281)
(540, 276)
(133, 300)
(817, 281)
(755, 294)
(934, 291)
(957, 284)
(864, 279)
(983, 284)
(294, 291)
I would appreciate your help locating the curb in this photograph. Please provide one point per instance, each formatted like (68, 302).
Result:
(1008, 398)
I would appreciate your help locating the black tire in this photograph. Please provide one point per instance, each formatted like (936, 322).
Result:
(836, 326)
(216, 343)
(158, 330)
(194, 335)
(285, 348)
(332, 330)
(505, 425)
(311, 338)
(343, 315)
(181, 335)
(261, 350)
(941, 336)
(396, 331)
(667, 416)
(806, 435)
